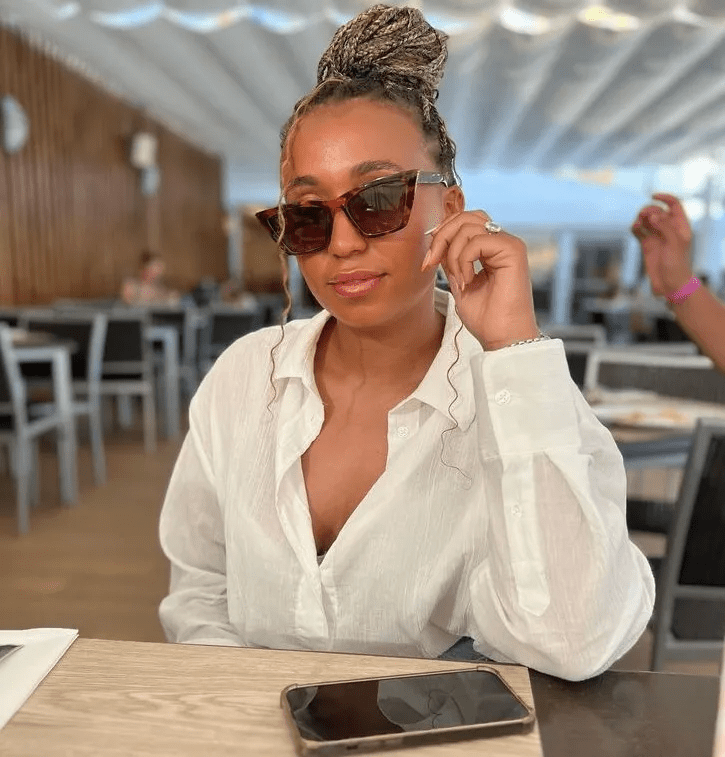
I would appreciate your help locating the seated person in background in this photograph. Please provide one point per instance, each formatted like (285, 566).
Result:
(232, 292)
(149, 288)
(410, 467)
(665, 237)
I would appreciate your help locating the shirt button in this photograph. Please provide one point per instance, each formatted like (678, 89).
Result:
(403, 432)
(503, 397)
(516, 510)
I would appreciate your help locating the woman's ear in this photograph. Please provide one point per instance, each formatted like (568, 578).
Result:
(453, 201)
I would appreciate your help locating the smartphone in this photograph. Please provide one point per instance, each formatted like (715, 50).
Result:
(367, 714)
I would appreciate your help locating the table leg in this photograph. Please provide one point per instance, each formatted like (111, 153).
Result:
(67, 442)
(171, 390)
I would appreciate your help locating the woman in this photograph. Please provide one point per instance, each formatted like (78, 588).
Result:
(149, 288)
(407, 468)
(665, 237)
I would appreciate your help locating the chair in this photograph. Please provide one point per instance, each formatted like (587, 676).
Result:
(667, 372)
(689, 617)
(183, 319)
(224, 325)
(88, 332)
(10, 317)
(128, 368)
(19, 433)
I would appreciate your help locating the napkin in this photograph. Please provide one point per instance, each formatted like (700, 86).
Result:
(22, 671)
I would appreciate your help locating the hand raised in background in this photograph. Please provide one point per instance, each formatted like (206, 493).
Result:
(665, 237)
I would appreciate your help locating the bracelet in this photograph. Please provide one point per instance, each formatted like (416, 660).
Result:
(684, 291)
(541, 338)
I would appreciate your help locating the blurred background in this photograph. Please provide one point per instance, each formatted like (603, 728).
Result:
(132, 126)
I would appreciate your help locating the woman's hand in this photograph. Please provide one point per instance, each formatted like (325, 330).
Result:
(665, 237)
(496, 304)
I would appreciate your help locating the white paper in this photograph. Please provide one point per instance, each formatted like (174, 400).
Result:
(22, 672)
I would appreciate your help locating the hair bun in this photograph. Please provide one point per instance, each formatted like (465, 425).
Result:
(396, 46)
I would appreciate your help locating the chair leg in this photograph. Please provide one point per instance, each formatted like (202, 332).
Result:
(95, 427)
(149, 422)
(125, 413)
(23, 470)
(35, 474)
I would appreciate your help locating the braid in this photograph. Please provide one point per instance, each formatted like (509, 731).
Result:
(389, 54)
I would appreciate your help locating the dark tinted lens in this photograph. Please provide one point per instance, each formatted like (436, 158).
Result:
(381, 208)
(306, 228)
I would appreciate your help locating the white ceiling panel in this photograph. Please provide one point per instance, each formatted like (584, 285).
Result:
(529, 84)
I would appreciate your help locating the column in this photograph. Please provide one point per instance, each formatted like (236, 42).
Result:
(563, 284)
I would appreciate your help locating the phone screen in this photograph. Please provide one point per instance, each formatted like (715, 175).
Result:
(356, 709)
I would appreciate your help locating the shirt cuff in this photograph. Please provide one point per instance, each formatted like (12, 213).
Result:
(525, 398)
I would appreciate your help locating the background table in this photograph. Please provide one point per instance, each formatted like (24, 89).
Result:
(113, 698)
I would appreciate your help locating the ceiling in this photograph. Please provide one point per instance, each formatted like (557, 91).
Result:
(530, 84)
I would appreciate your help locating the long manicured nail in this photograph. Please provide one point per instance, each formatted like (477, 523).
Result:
(427, 260)
(462, 284)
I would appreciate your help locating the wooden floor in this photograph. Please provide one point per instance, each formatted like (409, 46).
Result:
(97, 566)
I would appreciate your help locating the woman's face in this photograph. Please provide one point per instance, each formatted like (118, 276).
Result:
(336, 148)
(153, 270)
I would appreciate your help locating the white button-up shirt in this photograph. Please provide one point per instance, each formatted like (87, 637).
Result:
(502, 518)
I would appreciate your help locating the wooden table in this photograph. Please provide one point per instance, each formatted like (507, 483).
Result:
(113, 698)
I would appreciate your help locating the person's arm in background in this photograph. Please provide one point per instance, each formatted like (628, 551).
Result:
(665, 237)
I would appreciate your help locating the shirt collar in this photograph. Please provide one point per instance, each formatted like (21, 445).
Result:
(297, 358)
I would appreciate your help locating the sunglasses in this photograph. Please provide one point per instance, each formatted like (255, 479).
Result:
(379, 207)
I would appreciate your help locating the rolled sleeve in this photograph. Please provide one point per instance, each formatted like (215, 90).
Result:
(562, 589)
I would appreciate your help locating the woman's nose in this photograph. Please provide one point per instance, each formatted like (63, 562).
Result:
(345, 238)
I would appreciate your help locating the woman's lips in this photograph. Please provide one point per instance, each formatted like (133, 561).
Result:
(357, 287)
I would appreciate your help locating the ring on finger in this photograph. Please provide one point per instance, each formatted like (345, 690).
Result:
(492, 227)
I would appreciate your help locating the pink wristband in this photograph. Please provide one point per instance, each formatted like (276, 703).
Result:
(684, 291)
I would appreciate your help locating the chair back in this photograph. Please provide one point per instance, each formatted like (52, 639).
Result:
(224, 326)
(88, 333)
(126, 354)
(691, 589)
(12, 386)
(678, 375)
(181, 319)
(9, 318)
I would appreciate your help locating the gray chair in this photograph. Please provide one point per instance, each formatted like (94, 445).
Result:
(128, 367)
(669, 373)
(183, 320)
(19, 432)
(689, 617)
(88, 332)
(224, 325)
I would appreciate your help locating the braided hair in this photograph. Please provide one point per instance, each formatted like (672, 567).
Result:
(391, 55)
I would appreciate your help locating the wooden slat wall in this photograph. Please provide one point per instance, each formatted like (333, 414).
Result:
(73, 220)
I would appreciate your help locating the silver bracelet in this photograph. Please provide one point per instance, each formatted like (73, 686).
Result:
(541, 338)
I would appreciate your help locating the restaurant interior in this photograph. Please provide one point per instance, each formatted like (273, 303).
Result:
(138, 135)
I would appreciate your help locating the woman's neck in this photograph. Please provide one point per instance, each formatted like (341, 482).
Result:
(390, 356)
